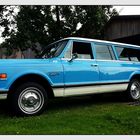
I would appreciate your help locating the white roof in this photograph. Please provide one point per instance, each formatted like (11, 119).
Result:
(100, 41)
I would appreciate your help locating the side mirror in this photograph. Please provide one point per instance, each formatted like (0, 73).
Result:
(74, 56)
(52, 50)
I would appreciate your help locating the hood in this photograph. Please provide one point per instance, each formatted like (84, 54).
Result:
(15, 62)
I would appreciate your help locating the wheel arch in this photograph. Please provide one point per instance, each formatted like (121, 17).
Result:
(135, 75)
(32, 77)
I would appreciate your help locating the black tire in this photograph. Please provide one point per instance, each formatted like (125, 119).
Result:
(133, 91)
(29, 99)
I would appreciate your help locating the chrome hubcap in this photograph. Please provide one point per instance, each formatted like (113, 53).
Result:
(135, 90)
(30, 100)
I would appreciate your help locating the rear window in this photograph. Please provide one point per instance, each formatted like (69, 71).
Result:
(128, 54)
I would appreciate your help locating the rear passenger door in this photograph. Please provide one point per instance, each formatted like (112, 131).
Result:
(109, 68)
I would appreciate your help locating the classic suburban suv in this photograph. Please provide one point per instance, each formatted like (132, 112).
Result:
(70, 67)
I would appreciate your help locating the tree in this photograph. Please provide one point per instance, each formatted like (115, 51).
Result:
(8, 25)
(94, 20)
(35, 26)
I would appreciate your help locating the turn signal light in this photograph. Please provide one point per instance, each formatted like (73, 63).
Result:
(3, 76)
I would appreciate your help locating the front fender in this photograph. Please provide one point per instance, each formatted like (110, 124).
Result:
(18, 75)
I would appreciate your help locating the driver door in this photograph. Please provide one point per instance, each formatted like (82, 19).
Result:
(81, 73)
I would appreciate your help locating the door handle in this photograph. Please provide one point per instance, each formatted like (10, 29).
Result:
(94, 65)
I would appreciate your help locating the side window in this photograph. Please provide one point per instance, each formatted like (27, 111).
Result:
(68, 53)
(104, 52)
(83, 50)
(128, 54)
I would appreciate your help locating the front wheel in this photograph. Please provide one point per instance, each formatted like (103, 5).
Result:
(29, 99)
(134, 90)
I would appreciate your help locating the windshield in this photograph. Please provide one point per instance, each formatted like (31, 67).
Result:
(54, 50)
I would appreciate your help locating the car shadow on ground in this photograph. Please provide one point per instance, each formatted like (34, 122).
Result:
(4, 108)
(73, 102)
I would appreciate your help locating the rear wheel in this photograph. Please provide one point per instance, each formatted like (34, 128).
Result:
(134, 90)
(29, 99)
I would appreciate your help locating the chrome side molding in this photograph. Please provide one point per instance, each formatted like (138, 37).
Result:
(89, 89)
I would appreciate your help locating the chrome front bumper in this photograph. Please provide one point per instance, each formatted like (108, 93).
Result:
(3, 94)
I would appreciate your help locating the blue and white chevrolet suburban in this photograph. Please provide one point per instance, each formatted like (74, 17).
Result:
(70, 67)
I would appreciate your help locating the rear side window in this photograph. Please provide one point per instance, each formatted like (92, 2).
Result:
(128, 54)
(104, 52)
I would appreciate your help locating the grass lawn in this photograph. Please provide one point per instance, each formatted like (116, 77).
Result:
(107, 114)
